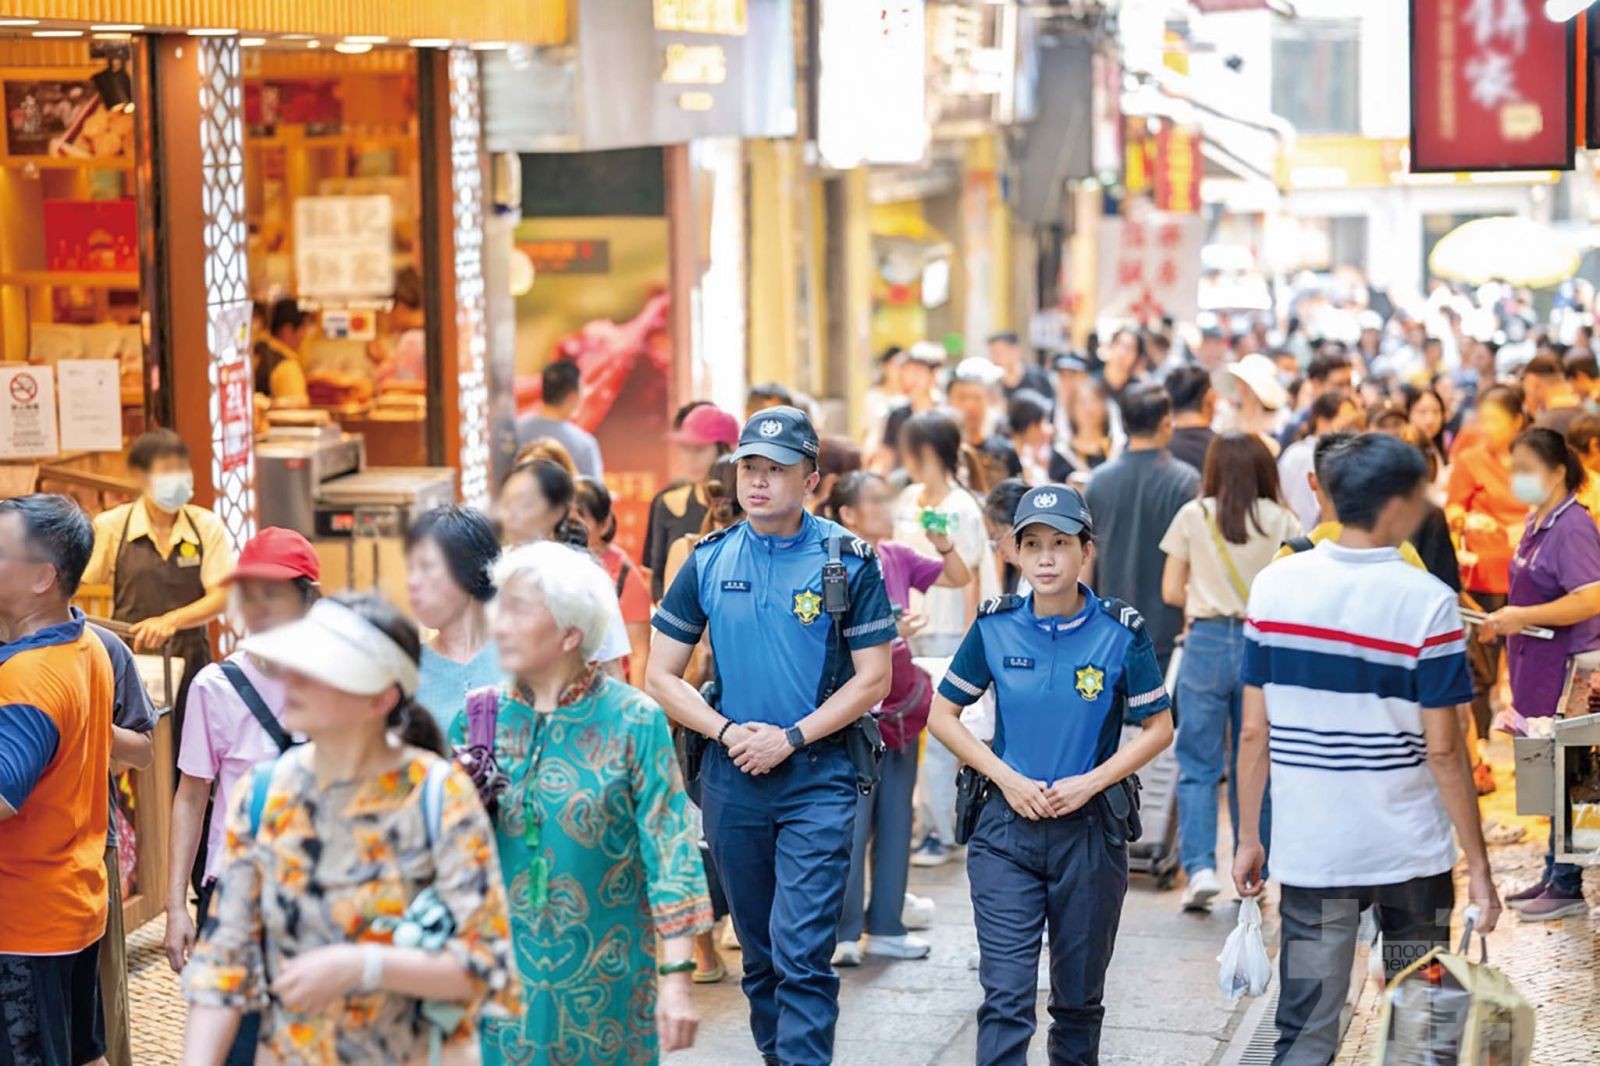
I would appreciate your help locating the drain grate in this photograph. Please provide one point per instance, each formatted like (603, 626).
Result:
(1253, 1041)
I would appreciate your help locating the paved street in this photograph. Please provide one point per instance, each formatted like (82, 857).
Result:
(1164, 1006)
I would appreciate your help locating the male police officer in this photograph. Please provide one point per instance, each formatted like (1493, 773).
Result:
(797, 666)
(1048, 852)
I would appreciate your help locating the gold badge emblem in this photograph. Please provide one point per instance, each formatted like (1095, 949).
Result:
(807, 606)
(1091, 682)
(186, 549)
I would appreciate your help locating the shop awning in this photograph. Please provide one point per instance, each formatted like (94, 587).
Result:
(519, 22)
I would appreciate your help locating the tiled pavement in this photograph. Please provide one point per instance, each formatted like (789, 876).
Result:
(1163, 1003)
(1553, 964)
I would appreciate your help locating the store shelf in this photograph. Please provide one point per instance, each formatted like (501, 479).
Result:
(87, 279)
(50, 162)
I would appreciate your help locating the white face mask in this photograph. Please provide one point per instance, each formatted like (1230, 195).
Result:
(171, 491)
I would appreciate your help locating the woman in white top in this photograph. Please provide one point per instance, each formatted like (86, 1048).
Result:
(1215, 547)
(930, 450)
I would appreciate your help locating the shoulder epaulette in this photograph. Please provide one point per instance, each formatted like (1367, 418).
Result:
(712, 537)
(859, 547)
(1125, 613)
(996, 604)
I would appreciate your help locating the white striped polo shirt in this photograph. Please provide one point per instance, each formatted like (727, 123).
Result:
(1350, 646)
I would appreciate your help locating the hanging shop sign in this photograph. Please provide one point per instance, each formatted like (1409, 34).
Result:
(1177, 170)
(1149, 266)
(343, 246)
(235, 392)
(1492, 87)
(665, 72)
(27, 413)
(877, 51)
(972, 66)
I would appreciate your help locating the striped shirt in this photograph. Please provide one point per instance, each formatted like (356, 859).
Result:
(1350, 646)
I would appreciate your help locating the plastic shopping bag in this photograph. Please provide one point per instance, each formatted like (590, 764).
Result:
(1446, 1010)
(1245, 968)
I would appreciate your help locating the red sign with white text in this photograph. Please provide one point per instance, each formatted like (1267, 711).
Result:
(1491, 86)
(238, 414)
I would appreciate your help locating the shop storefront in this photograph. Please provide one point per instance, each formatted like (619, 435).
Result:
(626, 249)
(158, 180)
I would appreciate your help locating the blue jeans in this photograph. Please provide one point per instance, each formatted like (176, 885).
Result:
(781, 842)
(1065, 877)
(1209, 694)
(1564, 877)
(884, 819)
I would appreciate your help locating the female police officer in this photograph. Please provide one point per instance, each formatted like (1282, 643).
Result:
(1049, 848)
(797, 666)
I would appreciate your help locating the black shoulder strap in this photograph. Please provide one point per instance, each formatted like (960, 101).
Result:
(258, 706)
(622, 577)
(1299, 544)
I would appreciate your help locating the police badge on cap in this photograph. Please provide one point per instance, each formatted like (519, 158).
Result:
(782, 434)
(1061, 507)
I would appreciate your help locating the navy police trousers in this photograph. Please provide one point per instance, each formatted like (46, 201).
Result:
(781, 844)
(1065, 877)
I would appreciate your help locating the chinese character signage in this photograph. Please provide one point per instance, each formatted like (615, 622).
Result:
(238, 414)
(343, 247)
(872, 85)
(1177, 170)
(1491, 86)
(568, 255)
(1149, 266)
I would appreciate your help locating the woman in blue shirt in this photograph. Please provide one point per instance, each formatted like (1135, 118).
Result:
(1049, 850)
(449, 552)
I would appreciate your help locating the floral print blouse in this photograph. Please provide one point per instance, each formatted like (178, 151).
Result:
(328, 860)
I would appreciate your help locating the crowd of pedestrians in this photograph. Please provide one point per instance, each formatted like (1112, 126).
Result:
(521, 823)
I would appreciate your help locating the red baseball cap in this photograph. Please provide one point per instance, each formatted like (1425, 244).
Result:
(276, 554)
(708, 424)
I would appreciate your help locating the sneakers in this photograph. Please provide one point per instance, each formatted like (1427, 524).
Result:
(1517, 900)
(847, 953)
(932, 852)
(1203, 887)
(917, 912)
(898, 947)
(1551, 906)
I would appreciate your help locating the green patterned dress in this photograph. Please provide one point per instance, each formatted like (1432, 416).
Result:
(599, 859)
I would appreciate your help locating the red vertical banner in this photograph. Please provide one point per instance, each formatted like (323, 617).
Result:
(1492, 87)
(1177, 170)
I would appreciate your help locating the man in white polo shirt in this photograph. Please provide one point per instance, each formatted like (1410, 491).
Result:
(1355, 669)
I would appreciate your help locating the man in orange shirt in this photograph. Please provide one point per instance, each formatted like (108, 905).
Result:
(56, 695)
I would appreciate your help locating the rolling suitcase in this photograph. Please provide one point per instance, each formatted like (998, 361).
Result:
(1156, 852)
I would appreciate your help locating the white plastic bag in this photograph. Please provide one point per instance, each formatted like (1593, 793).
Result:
(1245, 968)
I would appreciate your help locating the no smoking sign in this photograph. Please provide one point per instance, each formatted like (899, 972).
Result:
(24, 388)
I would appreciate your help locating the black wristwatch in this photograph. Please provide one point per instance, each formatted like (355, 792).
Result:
(796, 739)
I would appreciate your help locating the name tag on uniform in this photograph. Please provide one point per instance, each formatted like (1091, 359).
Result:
(187, 555)
(1018, 662)
(736, 586)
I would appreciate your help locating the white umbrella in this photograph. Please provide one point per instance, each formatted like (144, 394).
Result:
(1514, 250)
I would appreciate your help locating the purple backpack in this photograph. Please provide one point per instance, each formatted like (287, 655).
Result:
(476, 756)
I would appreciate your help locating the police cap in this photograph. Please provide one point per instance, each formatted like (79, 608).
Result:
(1061, 507)
(782, 434)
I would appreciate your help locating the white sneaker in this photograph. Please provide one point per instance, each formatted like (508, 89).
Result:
(847, 953)
(729, 939)
(1203, 887)
(897, 947)
(917, 912)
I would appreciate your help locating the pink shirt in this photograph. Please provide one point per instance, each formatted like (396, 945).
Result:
(222, 740)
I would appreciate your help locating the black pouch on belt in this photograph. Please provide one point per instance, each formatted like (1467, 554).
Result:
(690, 746)
(1121, 802)
(863, 746)
(972, 791)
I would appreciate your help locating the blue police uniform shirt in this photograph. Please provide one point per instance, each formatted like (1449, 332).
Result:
(1061, 684)
(775, 650)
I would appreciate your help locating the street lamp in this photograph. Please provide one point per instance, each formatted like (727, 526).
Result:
(1562, 10)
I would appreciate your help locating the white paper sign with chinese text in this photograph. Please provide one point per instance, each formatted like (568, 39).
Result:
(27, 413)
(1149, 267)
(342, 246)
(91, 405)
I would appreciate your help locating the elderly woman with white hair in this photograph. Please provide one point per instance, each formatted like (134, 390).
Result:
(595, 841)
